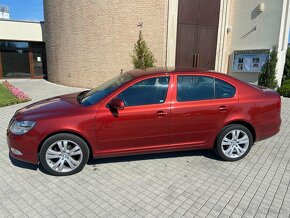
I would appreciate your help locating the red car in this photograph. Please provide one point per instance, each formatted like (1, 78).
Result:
(157, 110)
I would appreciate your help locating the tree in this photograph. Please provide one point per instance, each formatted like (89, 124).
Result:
(143, 57)
(267, 77)
(286, 74)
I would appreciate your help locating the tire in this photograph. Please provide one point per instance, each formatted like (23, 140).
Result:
(64, 154)
(234, 142)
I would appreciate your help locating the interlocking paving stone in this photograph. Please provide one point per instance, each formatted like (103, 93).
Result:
(179, 184)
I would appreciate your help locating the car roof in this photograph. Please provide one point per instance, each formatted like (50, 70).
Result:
(171, 70)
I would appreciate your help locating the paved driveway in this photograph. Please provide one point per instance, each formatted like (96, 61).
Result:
(179, 184)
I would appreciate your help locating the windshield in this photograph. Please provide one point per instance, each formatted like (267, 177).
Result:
(96, 94)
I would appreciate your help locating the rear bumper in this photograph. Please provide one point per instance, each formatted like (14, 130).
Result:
(22, 148)
(268, 129)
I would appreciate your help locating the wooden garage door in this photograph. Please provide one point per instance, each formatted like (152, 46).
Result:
(197, 33)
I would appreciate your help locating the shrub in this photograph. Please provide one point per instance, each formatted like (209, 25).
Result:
(286, 74)
(284, 90)
(143, 57)
(286, 82)
(267, 77)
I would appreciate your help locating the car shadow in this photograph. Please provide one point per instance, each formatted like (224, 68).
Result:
(205, 153)
(28, 166)
(22, 164)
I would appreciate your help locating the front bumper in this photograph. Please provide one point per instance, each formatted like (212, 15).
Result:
(22, 147)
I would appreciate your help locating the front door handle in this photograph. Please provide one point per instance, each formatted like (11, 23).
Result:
(161, 114)
(222, 108)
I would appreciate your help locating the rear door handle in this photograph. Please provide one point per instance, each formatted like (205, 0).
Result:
(161, 114)
(222, 108)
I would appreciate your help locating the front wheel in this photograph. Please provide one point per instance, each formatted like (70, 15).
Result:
(64, 154)
(234, 142)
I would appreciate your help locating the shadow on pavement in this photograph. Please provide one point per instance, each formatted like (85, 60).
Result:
(205, 153)
(26, 165)
(22, 164)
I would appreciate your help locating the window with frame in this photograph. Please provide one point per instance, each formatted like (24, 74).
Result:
(145, 92)
(224, 89)
(193, 88)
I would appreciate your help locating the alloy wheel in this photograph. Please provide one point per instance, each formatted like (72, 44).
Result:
(235, 143)
(64, 156)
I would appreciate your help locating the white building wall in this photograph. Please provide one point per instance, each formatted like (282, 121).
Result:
(20, 30)
(172, 32)
(253, 30)
(283, 39)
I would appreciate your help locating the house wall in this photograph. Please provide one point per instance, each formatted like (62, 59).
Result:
(253, 30)
(172, 32)
(88, 42)
(21, 31)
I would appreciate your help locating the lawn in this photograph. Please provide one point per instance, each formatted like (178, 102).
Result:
(6, 98)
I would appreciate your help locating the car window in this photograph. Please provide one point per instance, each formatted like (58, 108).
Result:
(192, 88)
(224, 89)
(96, 94)
(148, 91)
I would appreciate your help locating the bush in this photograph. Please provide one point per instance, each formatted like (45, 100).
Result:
(267, 78)
(286, 74)
(143, 57)
(284, 90)
(286, 82)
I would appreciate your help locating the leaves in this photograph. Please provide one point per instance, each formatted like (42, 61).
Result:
(143, 57)
(284, 90)
(286, 74)
(267, 77)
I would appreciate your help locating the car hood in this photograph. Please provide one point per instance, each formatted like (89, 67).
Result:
(63, 104)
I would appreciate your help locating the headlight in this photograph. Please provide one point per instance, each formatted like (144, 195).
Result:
(21, 127)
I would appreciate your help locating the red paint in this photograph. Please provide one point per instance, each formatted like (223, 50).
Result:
(169, 126)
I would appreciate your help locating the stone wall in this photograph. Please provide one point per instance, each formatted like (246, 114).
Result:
(88, 42)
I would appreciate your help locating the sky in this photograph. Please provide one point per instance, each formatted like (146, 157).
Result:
(25, 9)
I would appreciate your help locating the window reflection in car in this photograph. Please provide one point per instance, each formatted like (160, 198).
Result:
(193, 88)
(148, 91)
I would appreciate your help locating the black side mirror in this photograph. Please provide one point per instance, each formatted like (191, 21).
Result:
(117, 103)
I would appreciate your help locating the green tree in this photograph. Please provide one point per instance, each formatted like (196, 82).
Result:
(142, 57)
(286, 74)
(267, 77)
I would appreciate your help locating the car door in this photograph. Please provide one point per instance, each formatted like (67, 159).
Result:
(142, 124)
(200, 105)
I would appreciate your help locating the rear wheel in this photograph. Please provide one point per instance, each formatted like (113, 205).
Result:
(64, 154)
(234, 142)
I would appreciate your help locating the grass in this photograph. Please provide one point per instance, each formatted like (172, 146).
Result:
(6, 98)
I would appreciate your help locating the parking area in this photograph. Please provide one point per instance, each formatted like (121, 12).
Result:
(179, 184)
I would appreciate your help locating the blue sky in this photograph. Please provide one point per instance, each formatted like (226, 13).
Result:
(25, 9)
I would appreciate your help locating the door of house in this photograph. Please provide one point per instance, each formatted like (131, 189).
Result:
(197, 33)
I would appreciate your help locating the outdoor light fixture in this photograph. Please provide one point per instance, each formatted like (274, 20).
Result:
(261, 7)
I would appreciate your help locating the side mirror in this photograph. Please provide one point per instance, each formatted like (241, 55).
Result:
(117, 103)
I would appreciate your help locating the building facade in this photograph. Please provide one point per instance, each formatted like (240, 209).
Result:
(89, 42)
(22, 50)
